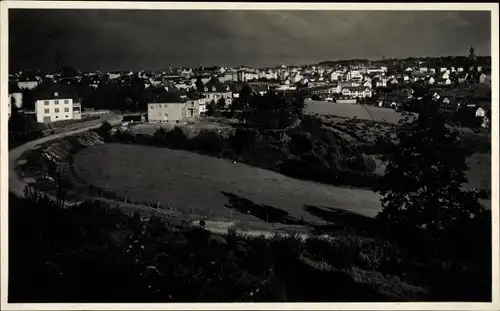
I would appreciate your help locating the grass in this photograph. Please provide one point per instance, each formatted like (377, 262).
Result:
(190, 180)
(353, 110)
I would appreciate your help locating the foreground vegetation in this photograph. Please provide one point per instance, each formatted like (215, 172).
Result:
(94, 253)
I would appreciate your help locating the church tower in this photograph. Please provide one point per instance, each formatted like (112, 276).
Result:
(472, 56)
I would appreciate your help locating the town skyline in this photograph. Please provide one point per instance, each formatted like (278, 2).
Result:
(234, 38)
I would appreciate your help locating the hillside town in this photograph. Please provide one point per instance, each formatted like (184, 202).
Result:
(160, 155)
(460, 84)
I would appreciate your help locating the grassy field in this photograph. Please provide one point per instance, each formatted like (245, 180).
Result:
(213, 186)
(478, 175)
(353, 110)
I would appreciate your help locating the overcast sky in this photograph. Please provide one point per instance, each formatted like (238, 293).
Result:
(123, 40)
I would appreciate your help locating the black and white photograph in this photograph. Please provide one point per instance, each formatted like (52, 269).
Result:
(249, 153)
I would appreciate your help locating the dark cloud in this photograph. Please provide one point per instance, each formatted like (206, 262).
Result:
(113, 39)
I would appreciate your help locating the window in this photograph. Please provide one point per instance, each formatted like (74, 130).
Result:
(57, 117)
(56, 102)
(165, 105)
(66, 101)
(213, 89)
(66, 109)
(66, 116)
(56, 110)
(151, 107)
(159, 114)
(165, 114)
(46, 103)
(47, 111)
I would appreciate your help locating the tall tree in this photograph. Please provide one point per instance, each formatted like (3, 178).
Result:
(422, 186)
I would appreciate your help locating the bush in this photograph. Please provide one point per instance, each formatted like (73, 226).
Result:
(243, 140)
(176, 138)
(208, 142)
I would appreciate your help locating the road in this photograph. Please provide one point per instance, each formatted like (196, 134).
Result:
(16, 184)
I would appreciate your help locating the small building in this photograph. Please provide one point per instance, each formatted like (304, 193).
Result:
(172, 108)
(480, 113)
(215, 90)
(356, 91)
(56, 103)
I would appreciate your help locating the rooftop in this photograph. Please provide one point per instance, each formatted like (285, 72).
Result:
(55, 91)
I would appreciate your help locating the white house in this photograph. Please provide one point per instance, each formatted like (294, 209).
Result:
(173, 112)
(357, 91)
(215, 90)
(393, 81)
(27, 85)
(335, 75)
(375, 70)
(17, 99)
(55, 106)
(431, 80)
(480, 113)
(367, 84)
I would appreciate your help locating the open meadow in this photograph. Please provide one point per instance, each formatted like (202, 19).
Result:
(211, 186)
(353, 110)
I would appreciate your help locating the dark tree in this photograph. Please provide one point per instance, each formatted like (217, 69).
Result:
(210, 108)
(422, 186)
(199, 84)
(221, 103)
(237, 104)
(245, 94)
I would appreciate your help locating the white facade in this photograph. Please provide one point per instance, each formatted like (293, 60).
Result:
(173, 112)
(17, 98)
(27, 85)
(375, 70)
(334, 76)
(480, 113)
(366, 92)
(52, 110)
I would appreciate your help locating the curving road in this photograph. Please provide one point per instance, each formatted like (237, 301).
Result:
(16, 184)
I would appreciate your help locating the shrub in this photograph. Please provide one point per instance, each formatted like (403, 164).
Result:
(176, 138)
(208, 142)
